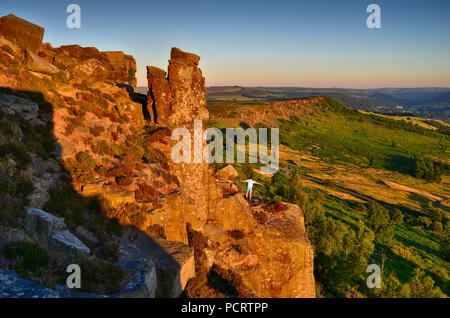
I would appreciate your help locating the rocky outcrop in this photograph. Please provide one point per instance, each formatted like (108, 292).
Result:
(38, 64)
(144, 284)
(25, 34)
(159, 96)
(179, 98)
(273, 258)
(14, 105)
(84, 62)
(52, 232)
(174, 260)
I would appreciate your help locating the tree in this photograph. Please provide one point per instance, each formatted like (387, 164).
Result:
(247, 171)
(379, 220)
(424, 221)
(445, 244)
(391, 287)
(295, 193)
(423, 286)
(396, 216)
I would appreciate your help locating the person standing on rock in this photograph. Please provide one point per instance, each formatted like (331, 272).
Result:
(250, 182)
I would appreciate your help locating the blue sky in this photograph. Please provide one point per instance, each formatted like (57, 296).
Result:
(265, 43)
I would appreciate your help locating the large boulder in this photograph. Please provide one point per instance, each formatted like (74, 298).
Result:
(52, 232)
(144, 284)
(14, 286)
(38, 64)
(226, 172)
(174, 261)
(25, 34)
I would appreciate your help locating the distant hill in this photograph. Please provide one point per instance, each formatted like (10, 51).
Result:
(430, 102)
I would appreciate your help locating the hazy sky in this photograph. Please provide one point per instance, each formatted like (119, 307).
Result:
(265, 43)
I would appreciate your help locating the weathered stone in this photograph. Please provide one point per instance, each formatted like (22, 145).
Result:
(184, 57)
(67, 240)
(123, 67)
(93, 188)
(82, 54)
(43, 224)
(113, 199)
(226, 172)
(174, 260)
(159, 96)
(25, 34)
(12, 48)
(89, 71)
(84, 234)
(38, 64)
(144, 284)
(52, 232)
(180, 98)
(14, 286)
(228, 187)
(11, 105)
(188, 88)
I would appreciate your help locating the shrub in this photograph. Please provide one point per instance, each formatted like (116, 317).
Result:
(124, 180)
(118, 171)
(155, 155)
(146, 193)
(29, 256)
(102, 148)
(157, 230)
(96, 130)
(157, 136)
(99, 276)
(260, 217)
(85, 160)
(17, 150)
(7, 186)
(108, 252)
(236, 234)
(277, 207)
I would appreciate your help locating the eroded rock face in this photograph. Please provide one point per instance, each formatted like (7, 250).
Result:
(273, 259)
(188, 88)
(25, 34)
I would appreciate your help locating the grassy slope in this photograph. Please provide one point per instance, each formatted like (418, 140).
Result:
(340, 145)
